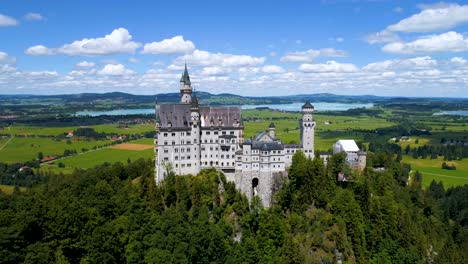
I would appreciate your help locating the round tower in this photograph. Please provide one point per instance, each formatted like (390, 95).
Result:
(307, 125)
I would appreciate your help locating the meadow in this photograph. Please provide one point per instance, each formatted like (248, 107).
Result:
(431, 170)
(93, 158)
(56, 131)
(22, 149)
(9, 189)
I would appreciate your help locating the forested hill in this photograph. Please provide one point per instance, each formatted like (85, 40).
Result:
(225, 98)
(116, 214)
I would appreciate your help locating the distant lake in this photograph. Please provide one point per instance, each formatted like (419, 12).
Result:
(458, 113)
(320, 106)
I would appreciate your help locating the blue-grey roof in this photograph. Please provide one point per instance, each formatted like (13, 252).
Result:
(267, 146)
(307, 105)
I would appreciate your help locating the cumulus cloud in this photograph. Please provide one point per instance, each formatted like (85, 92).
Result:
(458, 60)
(272, 69)
(205, 58)
(39, 50)
(85, 64)
(433, 18)
(119, 41)
(173, 45)
(115, 70)
(311, 54)
(6, 21)
(446, 42)
(33, 17)
(5, 58)
(401, 64)
(329, 66)
(214, 71)
(383, 36)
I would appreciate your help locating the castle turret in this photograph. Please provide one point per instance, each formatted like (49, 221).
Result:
(307, 129)
(195, 131)
(185, 88)
(272, 131)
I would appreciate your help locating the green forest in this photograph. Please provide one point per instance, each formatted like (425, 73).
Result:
(116, 214)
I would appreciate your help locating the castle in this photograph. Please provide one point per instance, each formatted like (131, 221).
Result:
(190, 137)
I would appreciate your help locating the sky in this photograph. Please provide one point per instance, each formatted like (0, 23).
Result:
(254, 48)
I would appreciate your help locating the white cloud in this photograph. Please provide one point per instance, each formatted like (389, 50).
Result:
(39, 50)
(339, 39)
(383, 36)
(174, 45)
(43, 73)
(6, 21)
(311, 54)
(205, 58)
(214, 71)
(119, 41)
(446, 42)
(115, 70)
(85, 64)
(272, 69)
(5, 58)
(425, 62)
(434, 18)
(458, 60)
(33, 16)
(329, 66)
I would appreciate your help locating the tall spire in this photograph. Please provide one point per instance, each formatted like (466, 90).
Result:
(185, 76)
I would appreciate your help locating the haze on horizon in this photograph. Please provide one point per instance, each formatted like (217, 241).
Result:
(250, 48)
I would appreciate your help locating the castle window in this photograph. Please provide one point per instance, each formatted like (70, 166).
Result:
(173, 142)
(207, 132)
(188, 149)
(216, 132)
(224, 132)
(182, 150)
(173, 134)
(216, 148)
(182, 133)
(176, 150)
(189, 142)
(211, 148)
(165, 142)
(188, 133)
(188, 157)
(211, 140)
(166, 158)
(165, 134)
(182, 141)
(232, 132)
(166, 151)
(176, 157)
(189, 165)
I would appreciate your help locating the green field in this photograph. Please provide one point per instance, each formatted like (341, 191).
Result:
(431, 170)
(93, 158)
(55, 131)
(25, 149)
(145, 141)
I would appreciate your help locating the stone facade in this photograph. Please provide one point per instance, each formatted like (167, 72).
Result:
(190, 137)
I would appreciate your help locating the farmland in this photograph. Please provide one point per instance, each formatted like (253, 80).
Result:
(22, 149)
(55, 131)
(431, 170)
(93, 158)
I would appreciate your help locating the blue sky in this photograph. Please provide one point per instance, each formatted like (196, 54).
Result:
(402, 48)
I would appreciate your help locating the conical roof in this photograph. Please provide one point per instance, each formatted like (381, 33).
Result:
(185, 76)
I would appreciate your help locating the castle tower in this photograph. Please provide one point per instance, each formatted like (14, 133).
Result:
(195, 132)
(307, 125)
(185, 88)
(272, 130)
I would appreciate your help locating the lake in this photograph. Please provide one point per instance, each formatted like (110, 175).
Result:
(319, 106)
(458, 113)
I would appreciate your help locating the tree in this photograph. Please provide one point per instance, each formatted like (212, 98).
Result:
(40, 156)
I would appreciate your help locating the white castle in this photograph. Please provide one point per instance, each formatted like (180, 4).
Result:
(190, 137)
